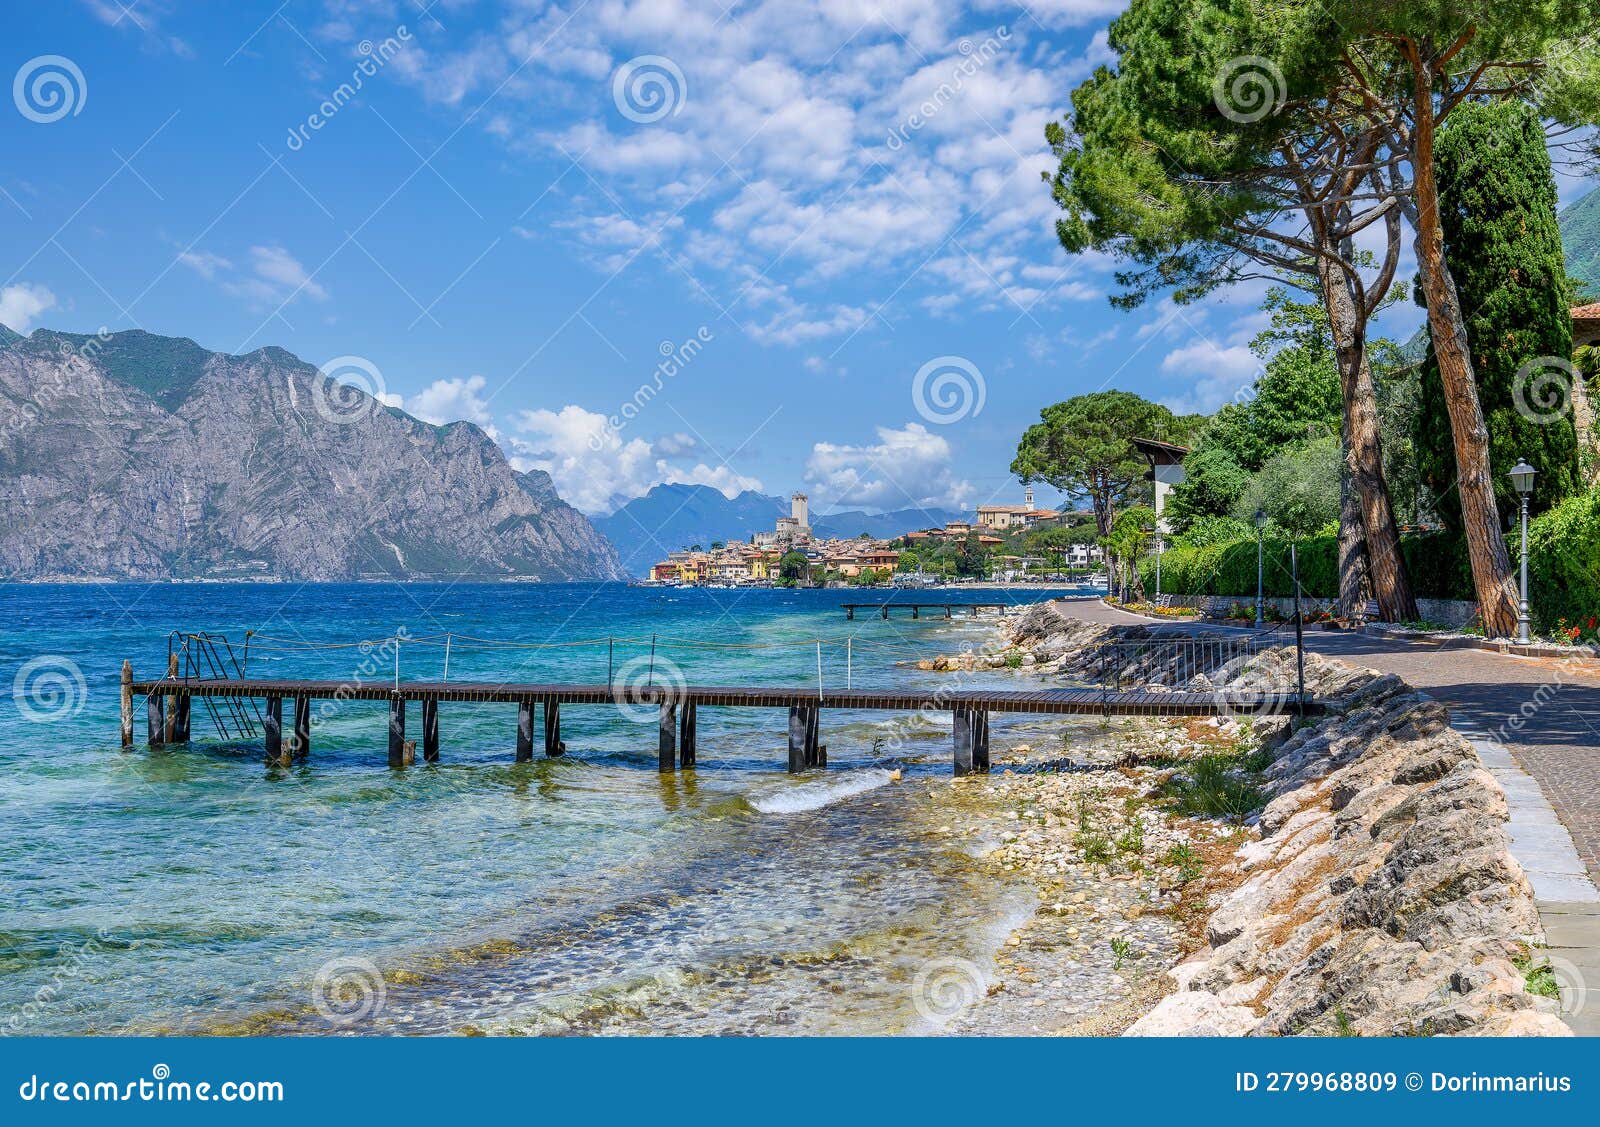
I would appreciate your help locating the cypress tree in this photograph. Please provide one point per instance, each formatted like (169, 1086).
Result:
(1497, 199)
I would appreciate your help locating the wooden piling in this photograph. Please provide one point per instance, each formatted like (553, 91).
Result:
(524, 731)
(155, 719)
(397, 731)
(272, 728)
(667, 737)
(553, 744)
(430, 730)
(169, 732)
(127, 704)
(915, 610)
(964, 733)
(803, 731)
(408, 752)
(980, 742)
(181, 708)
(302, 727)
(686, 734)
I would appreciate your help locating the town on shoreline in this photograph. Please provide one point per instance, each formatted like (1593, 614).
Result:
(1002, 543)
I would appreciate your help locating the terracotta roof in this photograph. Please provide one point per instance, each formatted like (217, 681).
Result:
(1587, 312)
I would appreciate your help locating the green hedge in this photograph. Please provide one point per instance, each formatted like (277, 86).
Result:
(1563, 565)
(1437, 563)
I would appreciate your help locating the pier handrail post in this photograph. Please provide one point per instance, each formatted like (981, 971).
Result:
(849, 661)
(396, 640)
(447, 656)
(650, 678)
(611, 657)
(819, 669)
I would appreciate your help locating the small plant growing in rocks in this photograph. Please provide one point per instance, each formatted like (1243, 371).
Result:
(1186, 861)
(1121, 950)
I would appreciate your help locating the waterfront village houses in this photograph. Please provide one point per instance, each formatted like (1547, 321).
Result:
(756, 563)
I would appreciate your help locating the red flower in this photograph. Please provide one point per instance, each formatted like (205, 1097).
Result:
(1574, 632)
(1591, 622)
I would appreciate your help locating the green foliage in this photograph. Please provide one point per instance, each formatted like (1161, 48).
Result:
(1563, 565)
(792, 566)
(1296, 397)
(1083, 447)
(1215, 786)
(1436, 562)
(1564, 562)
(164, 368)
(1215, 482)
(1298, 489)
(1215, 530)
(1497, 206)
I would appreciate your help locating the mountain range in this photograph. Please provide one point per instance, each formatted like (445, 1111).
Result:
(675, 516)
(1580, 236)
(134, 456)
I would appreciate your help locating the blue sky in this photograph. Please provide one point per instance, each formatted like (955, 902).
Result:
(517, 209)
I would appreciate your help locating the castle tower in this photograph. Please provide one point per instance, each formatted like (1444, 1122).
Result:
(1027, 498)
(800, 510)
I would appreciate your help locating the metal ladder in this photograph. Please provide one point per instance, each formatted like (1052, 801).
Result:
(211, 657)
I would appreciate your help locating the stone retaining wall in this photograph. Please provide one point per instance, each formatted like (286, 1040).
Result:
(1381, 898)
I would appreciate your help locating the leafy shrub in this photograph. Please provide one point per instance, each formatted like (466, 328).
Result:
(1563, 562)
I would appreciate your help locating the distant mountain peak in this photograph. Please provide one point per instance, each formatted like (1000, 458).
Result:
(150, 457)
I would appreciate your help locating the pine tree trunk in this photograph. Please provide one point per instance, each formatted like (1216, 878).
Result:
(1480, 519)
(1386, 567)
(1352, 547)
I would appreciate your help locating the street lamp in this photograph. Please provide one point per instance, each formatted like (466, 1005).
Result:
(1522, 476)
(1261, 524)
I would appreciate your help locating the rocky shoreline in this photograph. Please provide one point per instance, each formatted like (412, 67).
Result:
(1351, 876)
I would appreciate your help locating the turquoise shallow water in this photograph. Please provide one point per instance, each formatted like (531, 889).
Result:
(195, 888)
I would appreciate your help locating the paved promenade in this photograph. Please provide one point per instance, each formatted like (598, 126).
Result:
(1549, 766)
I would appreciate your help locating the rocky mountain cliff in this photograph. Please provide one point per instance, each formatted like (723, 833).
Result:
(135, 456)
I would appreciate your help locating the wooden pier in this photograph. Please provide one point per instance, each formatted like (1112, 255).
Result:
(676, 709)
(917, 608)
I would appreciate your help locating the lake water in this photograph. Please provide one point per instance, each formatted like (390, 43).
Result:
(197, 889)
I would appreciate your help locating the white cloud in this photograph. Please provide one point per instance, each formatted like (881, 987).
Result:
(596, 469)
(20, 304)
(204, 263)
(905, 467)
(276, 265)
(791, 149)
(447, 401)
(273, 277)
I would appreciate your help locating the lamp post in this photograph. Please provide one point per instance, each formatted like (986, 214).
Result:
(1261, 524)
(1522, 476)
